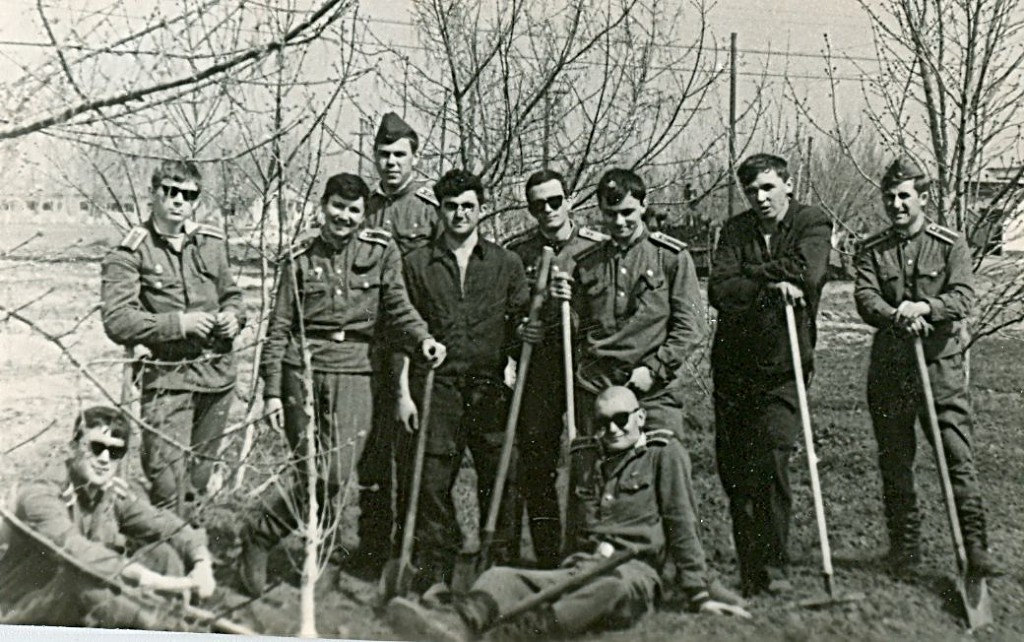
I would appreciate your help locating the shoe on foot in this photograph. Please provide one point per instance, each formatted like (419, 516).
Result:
(414, 621)
(981, 564)
(721, 593)
(253, 567)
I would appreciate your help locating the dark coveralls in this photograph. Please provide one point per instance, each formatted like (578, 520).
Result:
(756, 411)
(636, 306)
(345, 289)
(187, 383)
(932, 266)
(476, 322)
(410, 214)
(541, 415)
(100, 532)
(641, 498)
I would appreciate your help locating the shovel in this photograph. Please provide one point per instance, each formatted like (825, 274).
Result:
(396, 579)
(831, 597)
(570, 399)
(972, 589)
(468, 570)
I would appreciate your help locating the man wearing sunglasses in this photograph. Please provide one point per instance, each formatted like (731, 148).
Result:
(168, 287)
(472, 293)
(107, 527)
(636, 495)
(639, 307)
(540, 418)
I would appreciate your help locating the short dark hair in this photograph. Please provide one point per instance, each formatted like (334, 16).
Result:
(543, 176)
(754, 165)
(179, 171)
(457, 181)
(618, 183)
(348, 186)
(102, 416)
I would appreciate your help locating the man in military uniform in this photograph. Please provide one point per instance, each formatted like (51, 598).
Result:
(639, 307)
(473, 294)
(540, 418)
(636, 495)
(168, 287)
(775, 252)
(111, 530)
(346, 280)
(406, 208)
(915, 279)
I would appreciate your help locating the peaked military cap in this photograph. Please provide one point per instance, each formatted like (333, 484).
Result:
(902, 169)
(393, 128)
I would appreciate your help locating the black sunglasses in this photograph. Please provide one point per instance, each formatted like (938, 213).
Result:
(116, 452)
(540, 205)
(172, 191)
(620, 419)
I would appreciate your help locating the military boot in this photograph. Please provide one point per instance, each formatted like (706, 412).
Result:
(413, 621)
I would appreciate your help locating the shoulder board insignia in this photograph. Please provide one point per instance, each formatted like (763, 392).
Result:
(583, 443)
(671, 242)
(302, 242)
(375, 235)
(592, 235)
(209, 230)
(875, 239)
(134, 238)
(942, 233)
(426, 194)
(520, 237)
(660, 437)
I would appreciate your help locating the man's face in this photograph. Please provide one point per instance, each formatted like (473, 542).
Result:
(904, 205)
(618, 421)
(94, 457)
(548, 204)
(461, 214)
(341, 217)
(173, 202)
(768, 195)
(395, 162)
(623, 219)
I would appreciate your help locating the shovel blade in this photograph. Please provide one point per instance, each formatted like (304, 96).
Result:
(976, 600)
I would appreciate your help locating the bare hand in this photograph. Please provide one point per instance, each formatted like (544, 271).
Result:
(227, 325)
(791, 294)
(641, 379)
(433, 352)
(406, 413)
(910, 310)
(198, 324)
(532, 331)
(202, 578)
(560, 285)
(916, 327)
(273, 410)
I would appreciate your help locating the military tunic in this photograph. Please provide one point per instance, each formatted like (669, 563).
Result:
(637, 306)
(100, 531)
(410, 215)
(345, 290)
(147, 285)
(540, 417)
(932, 266)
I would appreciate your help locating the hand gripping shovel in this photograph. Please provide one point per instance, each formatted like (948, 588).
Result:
(831, 596)
(397, 576)
(972, 589)
(467, 571)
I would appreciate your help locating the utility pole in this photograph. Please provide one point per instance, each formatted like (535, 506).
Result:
(810, 167)
(732, 121)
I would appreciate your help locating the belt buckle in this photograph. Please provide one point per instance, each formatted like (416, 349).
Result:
(338, 336)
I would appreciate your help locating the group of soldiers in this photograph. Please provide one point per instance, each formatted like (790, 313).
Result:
(398, 283)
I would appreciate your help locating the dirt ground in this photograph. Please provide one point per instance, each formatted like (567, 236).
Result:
(41, 389)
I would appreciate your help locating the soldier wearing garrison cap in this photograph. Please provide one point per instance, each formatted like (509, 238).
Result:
(914, 279)
(773, 253)
(348, 280)
(168, 287)
(406, 208)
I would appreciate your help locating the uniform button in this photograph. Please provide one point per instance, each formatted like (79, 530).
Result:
(366, 284)
(608, 498)
(337, 292)
(158, 285)
(159, 269)
(650, 272)
(621, 293)
(623, 270)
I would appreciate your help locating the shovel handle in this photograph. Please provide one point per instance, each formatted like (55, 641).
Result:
(570, 397)
(812, 458)
(409, 532)
(940, 456)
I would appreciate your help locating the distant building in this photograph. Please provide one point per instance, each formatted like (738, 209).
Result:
(997, 210)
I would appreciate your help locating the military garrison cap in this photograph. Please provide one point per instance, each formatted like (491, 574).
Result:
(902, 169)
(393, 128)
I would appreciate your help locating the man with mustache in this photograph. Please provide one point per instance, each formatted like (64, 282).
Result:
(774, 253)
(346, 280)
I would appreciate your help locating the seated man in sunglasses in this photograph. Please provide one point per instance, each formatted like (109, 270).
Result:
(635, 495)
(168, 287)
(110, 530)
